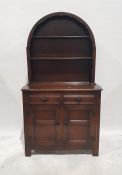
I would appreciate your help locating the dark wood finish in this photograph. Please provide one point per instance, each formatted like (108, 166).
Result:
(61, 101)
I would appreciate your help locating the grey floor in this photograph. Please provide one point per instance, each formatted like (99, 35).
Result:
(12, 160)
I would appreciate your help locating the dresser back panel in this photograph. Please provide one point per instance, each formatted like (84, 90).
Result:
(61, 47)
(60, 70)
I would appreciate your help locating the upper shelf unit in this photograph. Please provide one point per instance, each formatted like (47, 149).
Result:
(64, 37)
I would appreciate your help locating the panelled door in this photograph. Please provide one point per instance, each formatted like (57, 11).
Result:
(46, 126)
(77, 125)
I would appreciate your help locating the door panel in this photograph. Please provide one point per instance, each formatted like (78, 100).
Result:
(42, 134)
(73, 114)
(77, 132)
(77, 125)
(45, 126)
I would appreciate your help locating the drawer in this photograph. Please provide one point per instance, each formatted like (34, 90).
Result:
(79, 99)
(44, 99)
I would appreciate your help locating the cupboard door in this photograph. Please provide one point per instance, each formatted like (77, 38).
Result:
(78, 123)
(45, 126)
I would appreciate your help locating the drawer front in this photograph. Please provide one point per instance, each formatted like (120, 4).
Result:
(79, 99)
(44, 99)
(37, 98)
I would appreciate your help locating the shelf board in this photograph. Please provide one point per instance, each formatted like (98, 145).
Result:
(59, 58)
(56, 37)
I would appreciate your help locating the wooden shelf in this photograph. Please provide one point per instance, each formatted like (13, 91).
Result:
(60, 58)
(56, 37)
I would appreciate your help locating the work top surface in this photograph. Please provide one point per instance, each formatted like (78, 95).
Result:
(61, 86)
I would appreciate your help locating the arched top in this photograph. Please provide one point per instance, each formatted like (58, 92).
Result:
(61, 24)
(61, 47)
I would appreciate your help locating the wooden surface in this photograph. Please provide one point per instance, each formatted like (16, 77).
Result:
(61, 102)
(61, 47)
(62, 86)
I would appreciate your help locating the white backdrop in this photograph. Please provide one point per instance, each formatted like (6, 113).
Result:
(16, 20)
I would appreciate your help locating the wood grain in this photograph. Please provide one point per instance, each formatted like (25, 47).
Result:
(61, 101)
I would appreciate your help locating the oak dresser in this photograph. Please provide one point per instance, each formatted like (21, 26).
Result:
(61, 101)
